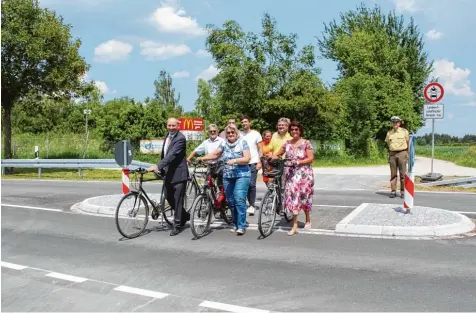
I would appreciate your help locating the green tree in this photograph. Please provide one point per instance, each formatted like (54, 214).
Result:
(206, 105)
(38, 57)
(266, 76)
(165, 95)
(383, 69)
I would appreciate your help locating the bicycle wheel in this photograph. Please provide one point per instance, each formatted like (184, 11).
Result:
(226, 214)
(288, 216)
(201, 215)
(165, 208)
(190, 194)
(131, 206)
(267, 214)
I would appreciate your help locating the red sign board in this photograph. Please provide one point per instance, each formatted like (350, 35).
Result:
(434, 92)
(188, 123)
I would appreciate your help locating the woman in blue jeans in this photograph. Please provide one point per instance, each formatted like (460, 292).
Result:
(235, 152)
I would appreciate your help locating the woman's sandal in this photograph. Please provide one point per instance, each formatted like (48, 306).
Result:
(292, 232)
(307, 226)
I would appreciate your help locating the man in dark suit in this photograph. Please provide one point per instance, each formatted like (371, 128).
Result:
(173, 165)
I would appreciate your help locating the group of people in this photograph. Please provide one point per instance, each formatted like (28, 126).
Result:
(241, 152)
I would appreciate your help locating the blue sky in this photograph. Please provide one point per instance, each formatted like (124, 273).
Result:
(128, 43)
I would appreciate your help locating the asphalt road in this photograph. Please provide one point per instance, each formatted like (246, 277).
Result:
(63, 194)
(280, 273)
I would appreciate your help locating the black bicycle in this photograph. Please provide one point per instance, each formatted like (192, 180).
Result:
(135, 206)
(272, 203)
(210, 201)
(193, 187)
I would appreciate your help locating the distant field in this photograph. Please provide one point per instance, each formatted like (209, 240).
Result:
(460, 155)
(61, 146)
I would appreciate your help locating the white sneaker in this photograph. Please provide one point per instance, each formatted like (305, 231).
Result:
(251, 210)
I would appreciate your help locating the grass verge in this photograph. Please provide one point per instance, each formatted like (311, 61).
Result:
(460, 155)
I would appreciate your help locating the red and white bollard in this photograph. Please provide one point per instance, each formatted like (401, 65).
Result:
(409, 191)
(125, 181)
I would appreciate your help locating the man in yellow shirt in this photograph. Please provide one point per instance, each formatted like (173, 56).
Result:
(279, 137)
(397, 142)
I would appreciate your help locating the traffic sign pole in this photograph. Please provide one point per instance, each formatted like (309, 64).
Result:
(433, 93)
(432, 144)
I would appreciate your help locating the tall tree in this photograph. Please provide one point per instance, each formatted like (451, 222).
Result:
(384, 52)
(267, 76)
(206, 104)
(165, 94)
(39, 56)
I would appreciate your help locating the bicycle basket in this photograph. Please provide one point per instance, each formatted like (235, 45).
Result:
(216, 169)
(272, 168)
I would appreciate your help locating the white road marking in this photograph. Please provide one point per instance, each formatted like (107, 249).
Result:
(465, 212)
(31, 207)
(75, 279)
(142, 292)
(230, 308)
(13, 266)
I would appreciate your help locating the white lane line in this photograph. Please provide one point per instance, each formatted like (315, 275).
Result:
(465, 212)
(13, 266)
(31, 207)
(142, 292)
(230, 308)
(75, 279)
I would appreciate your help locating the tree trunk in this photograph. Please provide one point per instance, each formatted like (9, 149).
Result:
(7, 128)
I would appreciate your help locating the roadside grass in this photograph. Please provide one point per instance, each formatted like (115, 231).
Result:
(460, 155)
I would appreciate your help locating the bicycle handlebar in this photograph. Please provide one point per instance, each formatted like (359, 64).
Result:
(144, 171)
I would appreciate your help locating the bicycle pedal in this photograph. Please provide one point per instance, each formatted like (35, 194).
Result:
(154, 214)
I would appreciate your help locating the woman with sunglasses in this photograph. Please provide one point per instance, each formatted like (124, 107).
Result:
(235, 152)
(299, 179)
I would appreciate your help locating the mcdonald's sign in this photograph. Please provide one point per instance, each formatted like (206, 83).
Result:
(195, 124)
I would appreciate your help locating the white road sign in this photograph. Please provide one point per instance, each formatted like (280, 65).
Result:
(433, 111)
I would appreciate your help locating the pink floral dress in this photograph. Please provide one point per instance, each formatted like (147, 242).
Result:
(299, 180)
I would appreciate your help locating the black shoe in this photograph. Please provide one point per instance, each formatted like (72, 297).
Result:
(183, 222)
(402, 195)
(393, 194)
(175, 231)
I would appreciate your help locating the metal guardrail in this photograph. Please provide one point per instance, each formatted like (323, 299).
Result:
(79, 164)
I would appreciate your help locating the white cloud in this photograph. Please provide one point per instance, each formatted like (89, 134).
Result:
(112, 50)
(101, 86)
(171, 19)
(450, 116)
(406, 5)
(158, 51)
(208, 73)
(434, 34)
(181, 74)
(454, 80)
(203, 53)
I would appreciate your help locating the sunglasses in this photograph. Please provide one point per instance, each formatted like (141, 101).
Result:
(212, 131)
(229, 133)
(294, 129)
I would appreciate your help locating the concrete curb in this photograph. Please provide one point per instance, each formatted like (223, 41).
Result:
(464, 225)
(101, 206)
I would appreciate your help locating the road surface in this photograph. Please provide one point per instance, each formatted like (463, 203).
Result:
(222, 271)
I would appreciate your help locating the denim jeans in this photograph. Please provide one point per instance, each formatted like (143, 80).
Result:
(252, 189)
(236, 190)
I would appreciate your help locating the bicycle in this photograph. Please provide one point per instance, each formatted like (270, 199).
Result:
(209, 202)
(272, 203)
(193, 187)
(142, 211)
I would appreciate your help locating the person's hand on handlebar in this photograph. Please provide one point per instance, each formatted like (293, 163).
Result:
(153, 168)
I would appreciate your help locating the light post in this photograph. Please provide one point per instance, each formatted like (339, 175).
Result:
(86, 113)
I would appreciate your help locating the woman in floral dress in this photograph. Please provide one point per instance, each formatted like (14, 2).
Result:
(299, 179)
